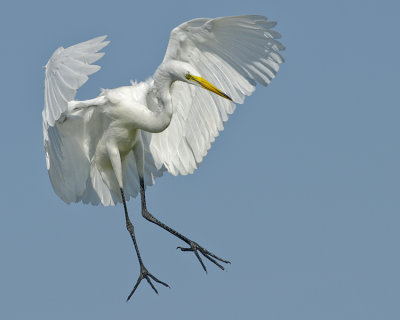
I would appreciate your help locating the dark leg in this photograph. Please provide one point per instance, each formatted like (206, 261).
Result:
(193, 246)
(144, 274)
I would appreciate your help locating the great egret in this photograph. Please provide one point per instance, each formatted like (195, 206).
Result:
(107, 149)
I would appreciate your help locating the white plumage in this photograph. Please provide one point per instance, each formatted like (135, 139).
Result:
(132, 125)
(107, 149)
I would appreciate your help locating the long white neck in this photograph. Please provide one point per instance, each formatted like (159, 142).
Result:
(158, 113)
(165, 75)
(162, 93)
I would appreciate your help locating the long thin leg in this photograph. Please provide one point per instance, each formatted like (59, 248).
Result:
(193, 245)
(144, 274)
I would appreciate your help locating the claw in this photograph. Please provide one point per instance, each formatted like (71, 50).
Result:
(144, 274)
(195, 248)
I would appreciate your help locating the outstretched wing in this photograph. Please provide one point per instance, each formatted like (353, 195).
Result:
(69, 134)
(233, 53)
(66, 71)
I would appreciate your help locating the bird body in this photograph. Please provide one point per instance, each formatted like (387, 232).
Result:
(170, 119)
(107, 149)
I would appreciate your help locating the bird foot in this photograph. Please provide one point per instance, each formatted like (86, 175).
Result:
(144, 274)
(210, 256)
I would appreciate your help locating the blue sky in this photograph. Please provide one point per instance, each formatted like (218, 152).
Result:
(300, 191)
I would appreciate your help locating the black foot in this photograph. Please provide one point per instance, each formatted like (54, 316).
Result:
(196, 248)
(144, 274)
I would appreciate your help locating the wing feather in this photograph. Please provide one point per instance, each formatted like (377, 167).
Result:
(66, 71)
(233, 53)
(69, 138)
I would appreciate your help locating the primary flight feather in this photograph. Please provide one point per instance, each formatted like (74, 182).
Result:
(107, 149)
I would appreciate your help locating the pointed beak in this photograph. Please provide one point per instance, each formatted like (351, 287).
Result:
(206, 85)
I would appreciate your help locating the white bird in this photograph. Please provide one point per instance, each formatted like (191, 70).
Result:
(108, 149)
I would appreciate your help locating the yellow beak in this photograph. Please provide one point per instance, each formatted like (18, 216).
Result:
(206, 85)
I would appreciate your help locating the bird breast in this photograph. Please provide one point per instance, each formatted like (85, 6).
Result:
(121, 132)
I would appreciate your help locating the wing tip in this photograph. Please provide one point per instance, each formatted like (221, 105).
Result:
(102, 40)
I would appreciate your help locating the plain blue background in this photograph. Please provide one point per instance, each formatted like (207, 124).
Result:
(300, 191)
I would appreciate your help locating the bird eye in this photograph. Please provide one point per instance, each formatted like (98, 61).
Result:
(188, 76)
